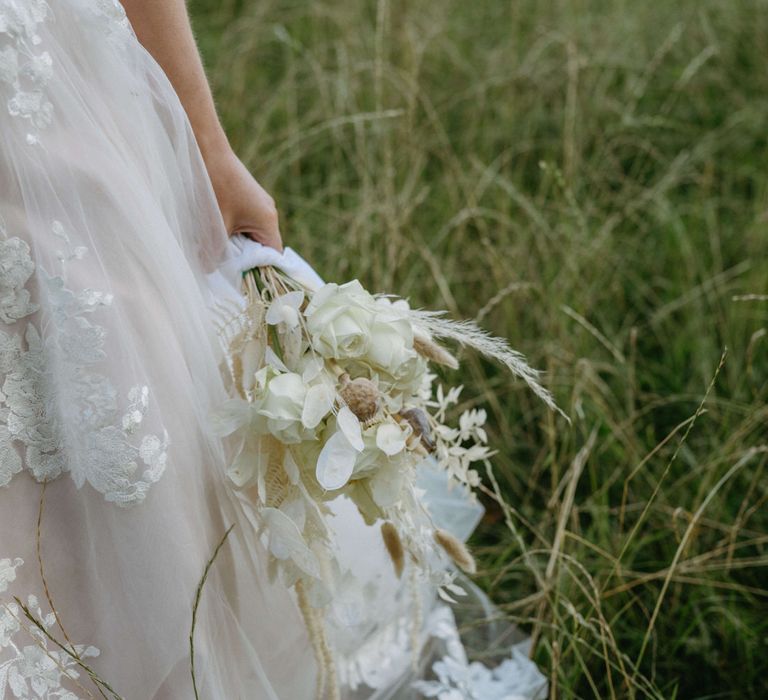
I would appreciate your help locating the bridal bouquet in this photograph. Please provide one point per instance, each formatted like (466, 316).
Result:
(334, 396)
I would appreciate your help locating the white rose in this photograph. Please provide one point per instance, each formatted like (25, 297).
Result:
(339, 318)
(391, 346)
(280, 405)
(391, 340)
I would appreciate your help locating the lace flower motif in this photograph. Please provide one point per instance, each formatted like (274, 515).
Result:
(31, 667)
(41, 374)
(25, 70)
(515, 678)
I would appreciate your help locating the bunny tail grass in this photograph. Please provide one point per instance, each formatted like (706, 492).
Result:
(469, 334)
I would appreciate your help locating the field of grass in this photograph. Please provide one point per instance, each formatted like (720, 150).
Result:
(588, 178)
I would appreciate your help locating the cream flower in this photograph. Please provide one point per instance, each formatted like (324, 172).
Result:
(338, 320)
(391, 346)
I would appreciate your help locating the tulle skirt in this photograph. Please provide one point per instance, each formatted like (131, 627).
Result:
(109, 369)
(113, 491)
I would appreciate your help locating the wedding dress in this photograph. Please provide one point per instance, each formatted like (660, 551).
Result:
(113, 491)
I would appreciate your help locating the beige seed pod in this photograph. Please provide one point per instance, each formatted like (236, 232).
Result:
(361, 395)
(394, 546)
(456, 550)
(428, 348)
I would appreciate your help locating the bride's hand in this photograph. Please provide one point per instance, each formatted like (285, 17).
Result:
(245, 205)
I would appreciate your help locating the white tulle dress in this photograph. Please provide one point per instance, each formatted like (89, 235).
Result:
(113, 493)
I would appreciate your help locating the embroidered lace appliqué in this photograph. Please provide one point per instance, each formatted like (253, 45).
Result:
(388, 654)
(31, 666)
(25, 69)
(113, 11)
(42, 375)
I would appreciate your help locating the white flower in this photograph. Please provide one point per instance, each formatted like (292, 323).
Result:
(346, 322)
(281, 403)
(285, 309)
(338, 320)
(391, 348)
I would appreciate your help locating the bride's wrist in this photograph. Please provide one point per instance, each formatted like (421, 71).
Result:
(214, 147)
(220, 162)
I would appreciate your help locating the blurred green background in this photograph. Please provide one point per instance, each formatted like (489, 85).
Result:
(588, 179)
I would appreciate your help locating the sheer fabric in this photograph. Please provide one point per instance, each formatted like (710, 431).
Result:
(113, 492)
(109, 370)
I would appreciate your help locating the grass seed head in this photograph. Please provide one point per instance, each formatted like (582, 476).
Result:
(429, 349)
(456, 550)
(394, 546)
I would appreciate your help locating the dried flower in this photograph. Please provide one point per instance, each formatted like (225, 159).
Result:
(361, 395)
(394, 546)
(433, 352)
(456, 550)
(418, 420)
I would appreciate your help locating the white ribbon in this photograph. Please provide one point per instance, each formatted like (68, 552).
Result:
(247, 254)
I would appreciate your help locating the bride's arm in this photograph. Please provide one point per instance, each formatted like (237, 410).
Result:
(163, 27)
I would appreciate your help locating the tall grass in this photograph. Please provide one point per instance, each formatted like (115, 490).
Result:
(588, 178)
